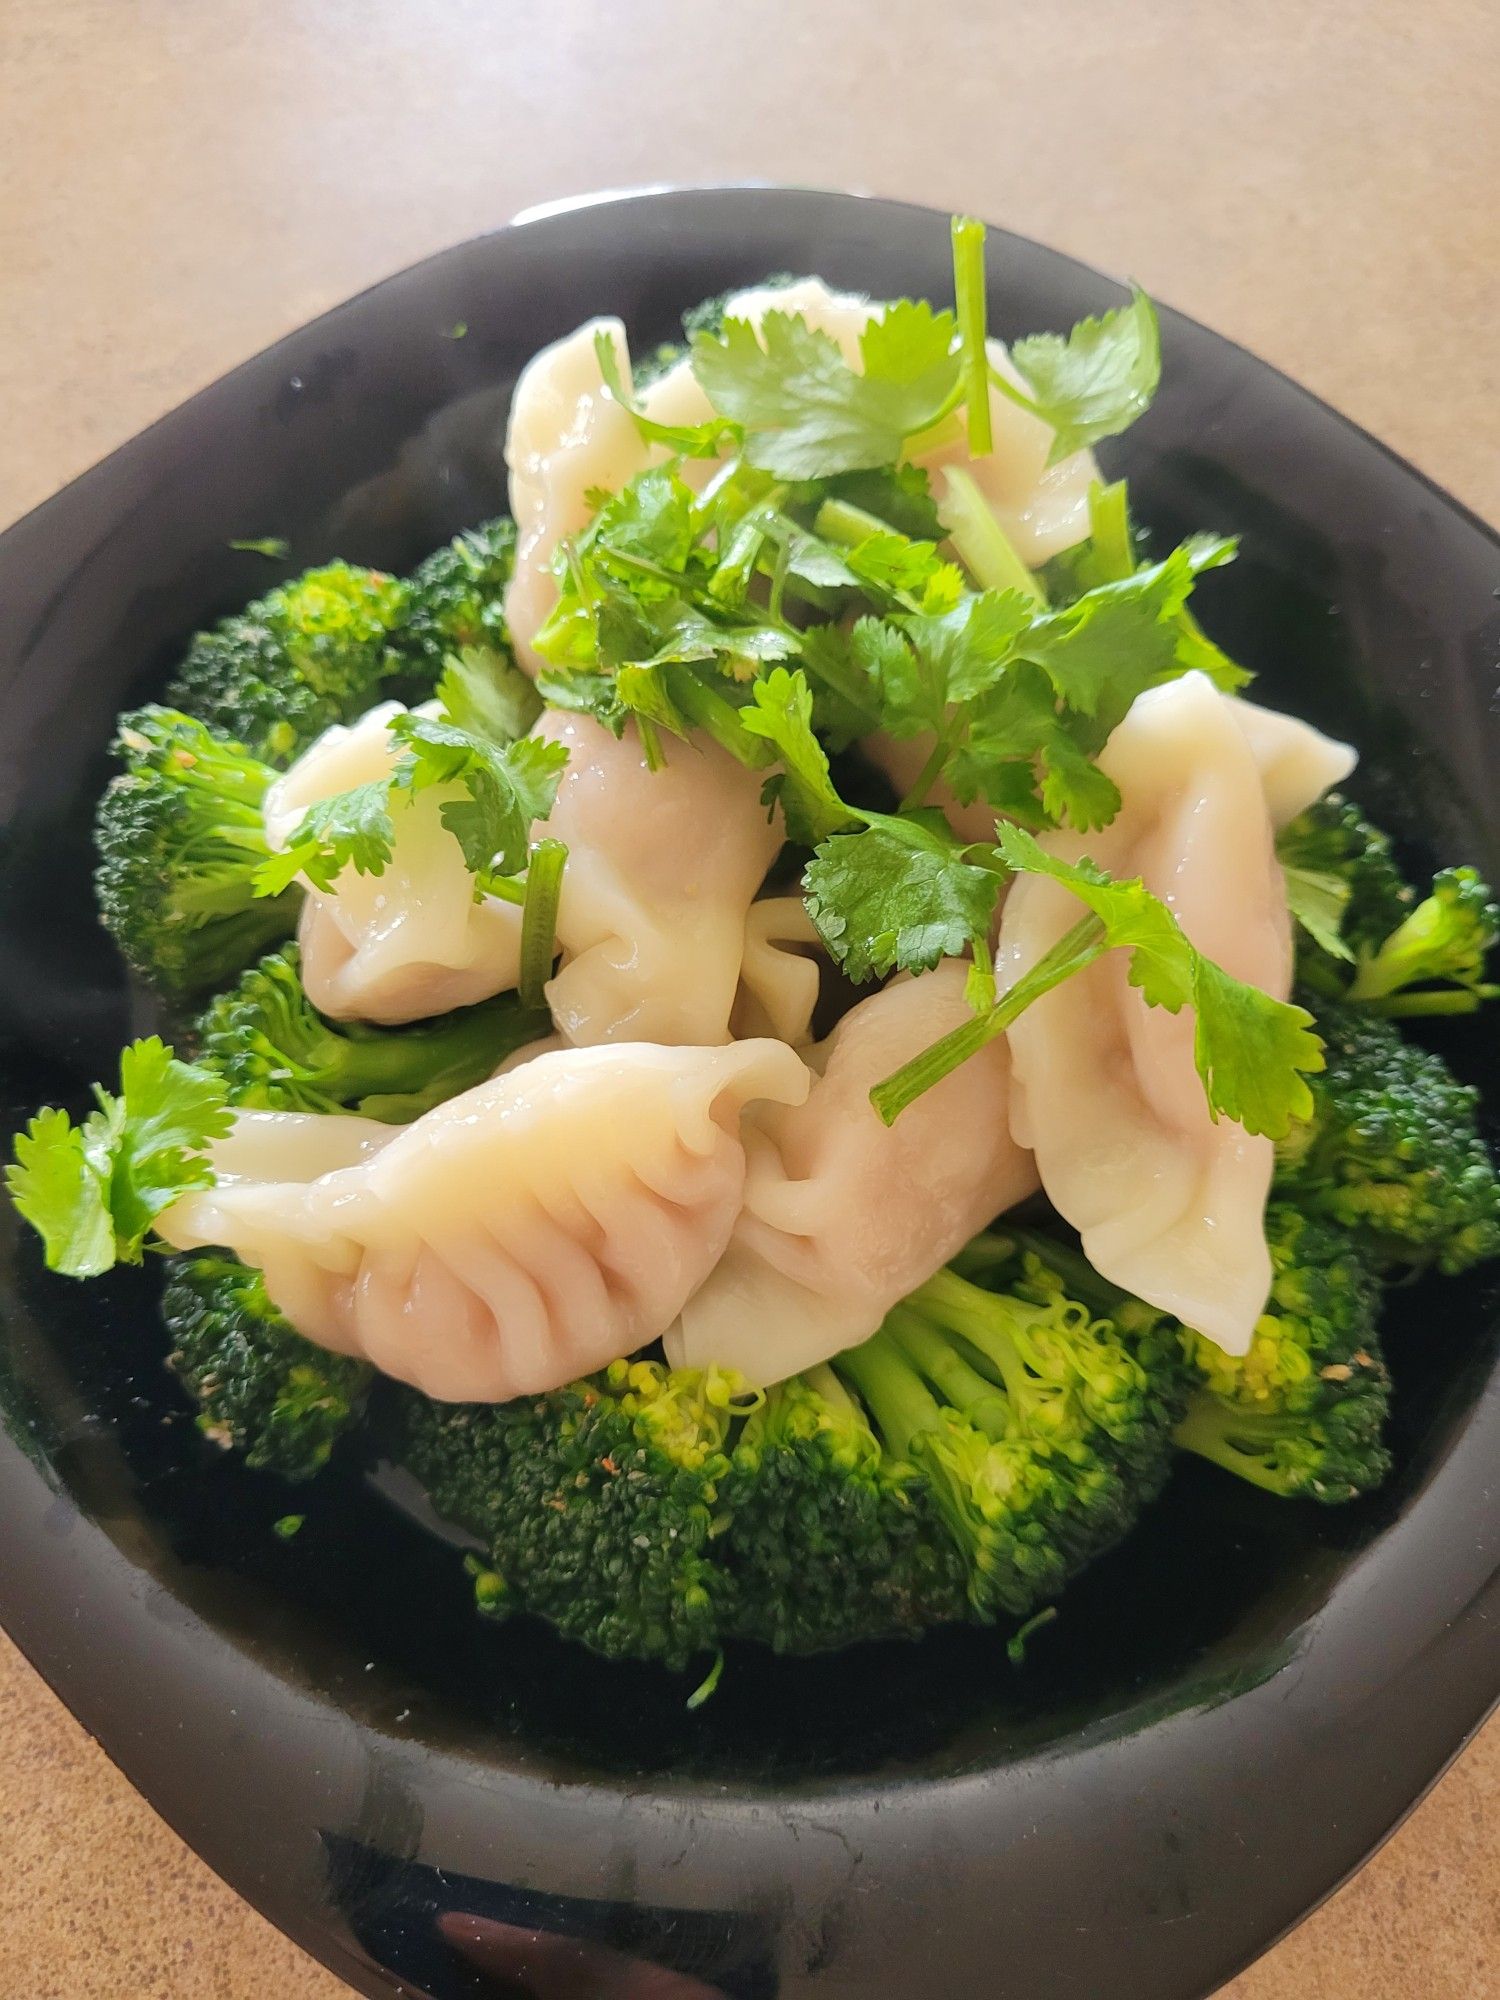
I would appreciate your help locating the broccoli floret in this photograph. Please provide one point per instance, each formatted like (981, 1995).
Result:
(180, 836)
(455, 640)
(310, 653)
(1393, 942)
(277, 1053)
(708, 315)
(1334, 840)
(1303, 1413)
(831, 1539)
(1443, 942)
(1392, 1150)
(261, 1388)
(598, 1503)
(1037, 1432)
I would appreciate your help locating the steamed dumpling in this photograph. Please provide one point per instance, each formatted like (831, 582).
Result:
(1170, 1205)
(844, 1215)
(662, 868)
(567, 438)
(411, 941)
(521, 1234)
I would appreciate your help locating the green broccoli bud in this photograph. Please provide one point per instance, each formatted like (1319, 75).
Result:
(1303, 1413)
(261, 1388)
(275, 1052)
(831, 1540)
(455, 641)
(1037, 1432)
(1443, 942)
(310, 653)
(1385, 942)
(599, 1503)
(1392, 1150)
(180, 837)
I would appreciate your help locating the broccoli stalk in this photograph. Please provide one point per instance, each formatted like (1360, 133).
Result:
(1392, 1150)
(310, 653)
(275, 1052)
(261, 1388)
(180, 836)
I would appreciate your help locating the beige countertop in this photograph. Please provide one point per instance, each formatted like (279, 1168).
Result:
(181, 181)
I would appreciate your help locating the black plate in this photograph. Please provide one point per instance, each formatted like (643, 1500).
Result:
(1227, 1716)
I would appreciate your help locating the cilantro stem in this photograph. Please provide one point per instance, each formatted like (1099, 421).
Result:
(1416, 1006)
(539, 919)
(719, 719)
(979, 987)
(927, 777)
(817, 665)
(945, 429)
(650, 743)
(982, 544)
(705, 1688)
(1073, 951)
(842, 522)
(1018, 396)
(1109, 526)
(968, 295)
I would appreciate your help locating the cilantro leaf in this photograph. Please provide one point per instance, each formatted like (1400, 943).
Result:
(806, 413)
(846, 705)
(56, 1188)
(1251, 1050)
(509, 786)
(92, 1191)
(487, 695)
(691, 440)
(899, 894)
(1094, 383)
(506, 786)
(899, 495)
(152, 1134)
(965, 651)
(353, 829)
(1319, 902)
(780, 712)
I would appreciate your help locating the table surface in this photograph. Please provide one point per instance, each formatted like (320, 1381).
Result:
(183, 181)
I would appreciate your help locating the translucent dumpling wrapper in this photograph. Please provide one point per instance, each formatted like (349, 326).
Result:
(412, 941)
(567, 438)
(520, 1235)
(780, 972)
(1297, 763)
(662, 868)
(1170, 1204)
(844, 1215)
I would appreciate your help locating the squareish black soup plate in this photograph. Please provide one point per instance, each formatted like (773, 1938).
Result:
(1228, 1714)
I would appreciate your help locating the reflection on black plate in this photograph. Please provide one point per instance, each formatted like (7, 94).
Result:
(1229, 1712)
